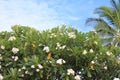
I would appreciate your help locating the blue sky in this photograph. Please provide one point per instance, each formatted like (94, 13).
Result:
(46, 14)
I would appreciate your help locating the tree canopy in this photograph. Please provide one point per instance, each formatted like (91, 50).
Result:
(60, 53)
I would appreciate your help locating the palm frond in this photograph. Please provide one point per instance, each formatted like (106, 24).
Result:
(100, 25)
(107, 13)
(92, 21)
(114, 5)
(107, 41)
(106, 30)
(116, 8)
(108, 23)
(119, 5)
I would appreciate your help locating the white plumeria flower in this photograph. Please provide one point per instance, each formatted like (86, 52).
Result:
(77, 77)
(60, 61)
(1, 57)
(16, 58)
(40, 66)
(26, 72)
(105, 67)
(32, 66)
(22, 75)
(40, 44)
(91, 51)
(56, 48)
(1, 77)
(15, 50)
(95, 42)
(116, 79)
(63, 47)
(52, 35)
(72, 35)
(13, 57)
(80, 72)
(2, 47)
(60, 47)
(19, 70)
(12, 38)
(109, 53)
(50, 61)
(58, 44)
(84, 52)
(24, 67)
(46, 48)
(0, 66)
(92, 62)
(37, 70)
(118, 61)
(70, 72)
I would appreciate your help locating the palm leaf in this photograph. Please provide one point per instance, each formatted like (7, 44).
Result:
(108, 23)
(107, 41)
(116, 8)
(100, 25)
(107, 13)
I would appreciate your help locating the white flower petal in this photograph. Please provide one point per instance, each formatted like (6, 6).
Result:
(15, 50)
(91, 51)
(46, 48)
(84, 52)
(116, 79)
(70, 72)
(12, 38)
(77, 77)
(2, 47)
(60, 61)
(72, 35)
(32, 66)
(37, 70)
(1, 77)
(40, 66)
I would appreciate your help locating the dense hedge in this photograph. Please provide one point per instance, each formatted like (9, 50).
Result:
(56, 54)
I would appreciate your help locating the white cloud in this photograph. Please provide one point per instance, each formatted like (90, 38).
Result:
(44, 14)
(28, 12)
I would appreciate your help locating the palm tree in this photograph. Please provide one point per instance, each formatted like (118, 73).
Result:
(108, 23)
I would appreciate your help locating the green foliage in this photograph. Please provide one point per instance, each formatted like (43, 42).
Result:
(60, 53)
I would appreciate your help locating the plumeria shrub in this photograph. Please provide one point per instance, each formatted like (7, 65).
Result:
(56, 54)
